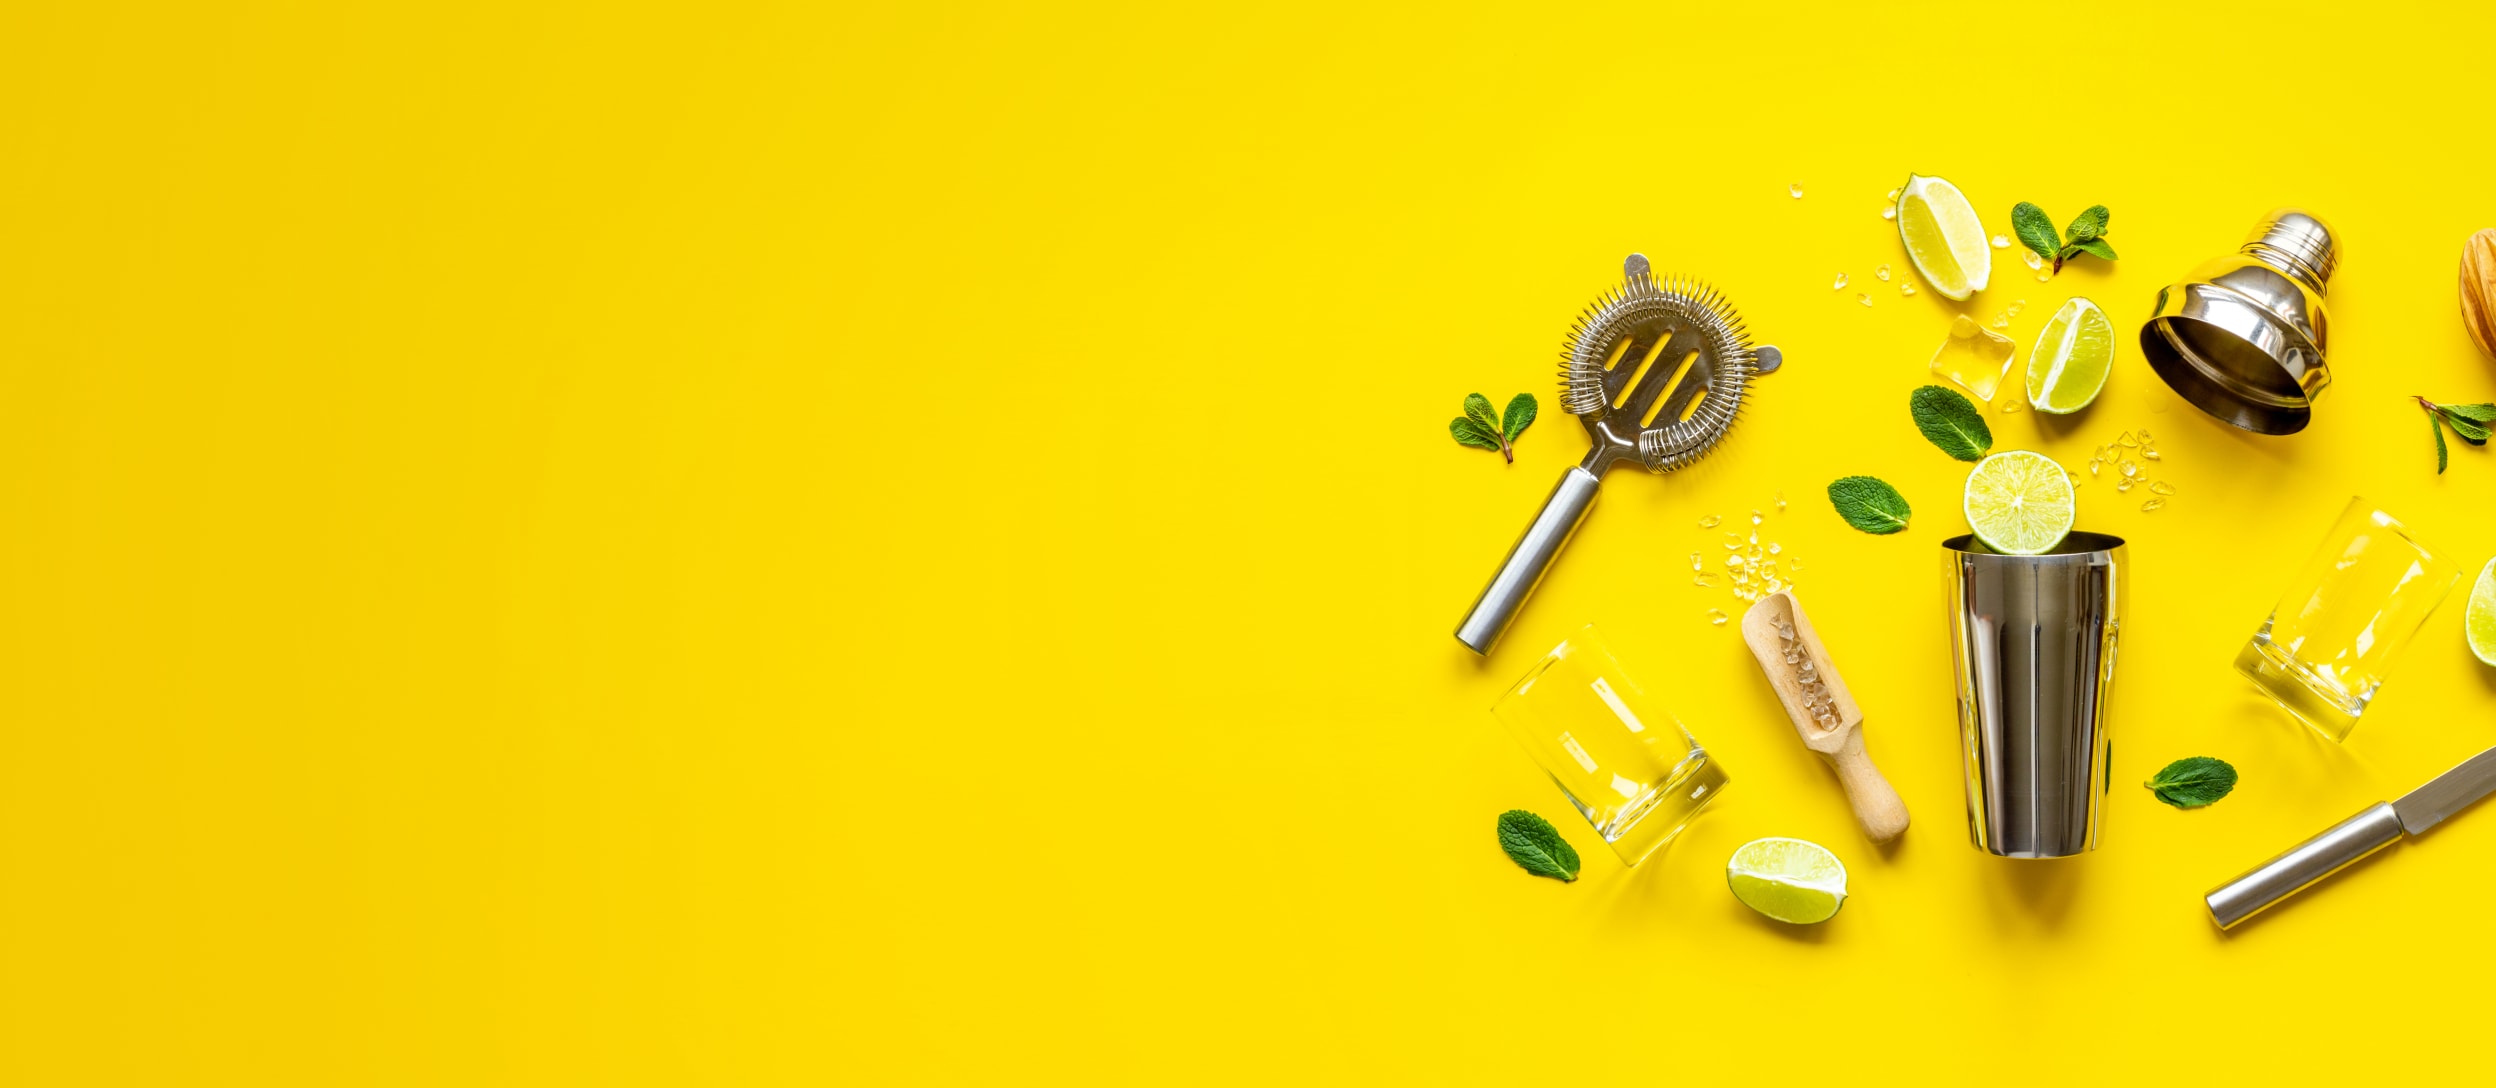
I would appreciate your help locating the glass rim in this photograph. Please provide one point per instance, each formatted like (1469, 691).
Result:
(1585, 633)
(2360, 504)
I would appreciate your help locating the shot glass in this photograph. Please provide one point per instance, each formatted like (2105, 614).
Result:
(2356, 603)
(1626, 763)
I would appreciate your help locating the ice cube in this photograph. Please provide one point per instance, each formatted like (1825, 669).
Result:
(1974, 358)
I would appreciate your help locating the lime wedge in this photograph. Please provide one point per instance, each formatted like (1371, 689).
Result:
(2480, 621)
(1790, 880)
(2074, 352)
(1943, 236)
(2018, 502)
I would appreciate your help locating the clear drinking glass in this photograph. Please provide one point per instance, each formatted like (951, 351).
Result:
(1624, 761)
(2326, 646)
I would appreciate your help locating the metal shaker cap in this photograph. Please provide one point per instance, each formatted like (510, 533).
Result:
(2243, 337)
(2301, 240)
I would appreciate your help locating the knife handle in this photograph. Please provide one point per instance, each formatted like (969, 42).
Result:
(2301, 867)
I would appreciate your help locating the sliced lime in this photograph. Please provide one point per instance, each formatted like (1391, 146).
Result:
(2019, 502)
(2074, 353)
(1790, 880)
(2480, 621)
(1943, 237)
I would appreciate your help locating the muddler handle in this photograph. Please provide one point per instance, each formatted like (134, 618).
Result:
(1876, 803)
(1527, 561)
(2302, 867)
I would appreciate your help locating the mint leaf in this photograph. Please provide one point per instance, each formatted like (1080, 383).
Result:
(2090, 225)
(1481, 429)
(2472, 423)
(2467, 431)
(2193, 782)
(1536, 846)
(2035, 230)
(1870, 505)
(1520, 416)
(2095, 247)
(1951, 422)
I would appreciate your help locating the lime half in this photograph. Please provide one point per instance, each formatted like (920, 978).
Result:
(2074, 352)
(1943, 237)
(1790, 880)
(2019, 502)
(2480, 621)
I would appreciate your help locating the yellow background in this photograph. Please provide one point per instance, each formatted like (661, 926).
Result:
(868, 543)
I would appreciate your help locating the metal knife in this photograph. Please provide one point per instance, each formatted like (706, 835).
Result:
(2379, 826)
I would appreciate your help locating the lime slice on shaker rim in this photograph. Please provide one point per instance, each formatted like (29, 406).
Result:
(2019, 502)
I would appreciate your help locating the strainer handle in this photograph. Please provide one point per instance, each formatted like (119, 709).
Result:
(1527, 561)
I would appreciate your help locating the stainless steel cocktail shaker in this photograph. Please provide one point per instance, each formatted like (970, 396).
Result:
(2032, 642)
(2243, 337)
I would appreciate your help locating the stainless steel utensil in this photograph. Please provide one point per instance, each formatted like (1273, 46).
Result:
(2243, 337)
(2032, 642)
(2379, 826)
(1629, 348)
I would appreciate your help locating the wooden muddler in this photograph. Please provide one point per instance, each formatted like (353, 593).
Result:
(1824, 712)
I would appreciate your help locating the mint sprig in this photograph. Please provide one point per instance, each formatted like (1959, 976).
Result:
(2472, 423)
(1480, 429)
(2193, 782)
(1869, 504)
(2087, 233)
(1951, 422)
(1536, 846)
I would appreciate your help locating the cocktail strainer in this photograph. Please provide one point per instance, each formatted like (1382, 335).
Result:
(1657, 370)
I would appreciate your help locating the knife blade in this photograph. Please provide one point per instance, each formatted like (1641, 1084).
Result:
(2378, 826)
(2447, 793)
